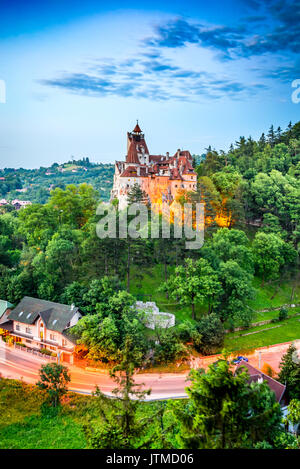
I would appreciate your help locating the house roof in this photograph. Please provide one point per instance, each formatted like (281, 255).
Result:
(256, 375)
(7, 326)
(56, 316)
(4, 305)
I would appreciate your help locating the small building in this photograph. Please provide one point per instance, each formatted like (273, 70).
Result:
(5, 309)
(41, 324)
(256, 375)
(20, 203)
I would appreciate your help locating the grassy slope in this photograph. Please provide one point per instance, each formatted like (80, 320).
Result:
(287, 331)
(290, 329)
(23, 427)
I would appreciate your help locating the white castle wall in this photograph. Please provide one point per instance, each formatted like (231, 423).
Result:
(153, 317)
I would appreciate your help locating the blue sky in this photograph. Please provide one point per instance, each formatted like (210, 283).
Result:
(195, 73)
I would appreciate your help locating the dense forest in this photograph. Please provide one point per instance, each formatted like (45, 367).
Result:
(36, 184)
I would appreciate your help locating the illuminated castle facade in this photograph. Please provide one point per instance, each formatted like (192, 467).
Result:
(161, 177)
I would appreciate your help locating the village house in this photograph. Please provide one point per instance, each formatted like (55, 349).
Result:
(161, 177)
(20, 203)
(256, 375)
(40, 324)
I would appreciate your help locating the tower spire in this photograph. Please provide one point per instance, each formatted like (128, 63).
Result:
(137, 129)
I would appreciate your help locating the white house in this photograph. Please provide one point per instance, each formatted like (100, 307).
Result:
(41, 324)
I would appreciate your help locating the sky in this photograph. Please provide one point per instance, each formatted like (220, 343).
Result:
(75, 76)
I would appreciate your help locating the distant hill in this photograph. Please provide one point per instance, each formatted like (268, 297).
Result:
(35, 184)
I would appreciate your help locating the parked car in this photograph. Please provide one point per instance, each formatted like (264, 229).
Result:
(238, 360)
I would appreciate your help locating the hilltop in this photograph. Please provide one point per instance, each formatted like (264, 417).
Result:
(36, 184)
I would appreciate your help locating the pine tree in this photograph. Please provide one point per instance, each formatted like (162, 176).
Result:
(271, 136)
(119, 426)
(136, 195)
(290, 372)
(262, 141)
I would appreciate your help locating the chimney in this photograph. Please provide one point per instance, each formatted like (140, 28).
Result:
(178, 153)
(167, 155)
(72, 306)
(138, 170)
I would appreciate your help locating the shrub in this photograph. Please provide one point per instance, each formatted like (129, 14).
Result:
(283, 313)
(45, 351)
(212, 334)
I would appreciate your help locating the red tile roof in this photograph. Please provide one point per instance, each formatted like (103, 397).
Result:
(132, 156)
(256, 374)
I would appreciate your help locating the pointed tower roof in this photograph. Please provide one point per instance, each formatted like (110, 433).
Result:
(137, 129)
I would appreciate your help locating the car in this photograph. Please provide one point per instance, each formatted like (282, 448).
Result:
(238, 360)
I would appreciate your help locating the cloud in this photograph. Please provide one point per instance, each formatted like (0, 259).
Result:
(150, 74)
(179, 33)
(275, 30)
(142, 82)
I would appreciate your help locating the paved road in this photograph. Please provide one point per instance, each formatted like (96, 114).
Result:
(18, 364)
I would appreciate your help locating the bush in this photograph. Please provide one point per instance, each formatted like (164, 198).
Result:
(212, 331)
(169, 349)
(45, 351)
(283, 313)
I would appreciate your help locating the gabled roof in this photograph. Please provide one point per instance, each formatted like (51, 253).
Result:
(256, 375)
(4, 305)
(56, 316)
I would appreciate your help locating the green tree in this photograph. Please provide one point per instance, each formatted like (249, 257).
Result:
(119, 426)
(290, 372)
(54, 378)
(136, 195)
(100, 291)
(270, 254)
(236, 291)
(293, 415)
(104, 333)
(193, 283)
(74, 294)
(225, 411)
(212, 334)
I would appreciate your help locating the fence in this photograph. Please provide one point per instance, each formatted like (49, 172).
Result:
(35, 352)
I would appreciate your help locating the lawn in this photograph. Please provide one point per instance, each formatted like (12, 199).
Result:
(272, 295)
(289, 330)
(146, 287)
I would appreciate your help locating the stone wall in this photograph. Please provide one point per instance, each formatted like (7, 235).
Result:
(153, 317)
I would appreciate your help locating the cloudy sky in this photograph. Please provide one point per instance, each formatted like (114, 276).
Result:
(195, 73)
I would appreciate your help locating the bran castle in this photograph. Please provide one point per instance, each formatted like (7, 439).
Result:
(161, 177)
